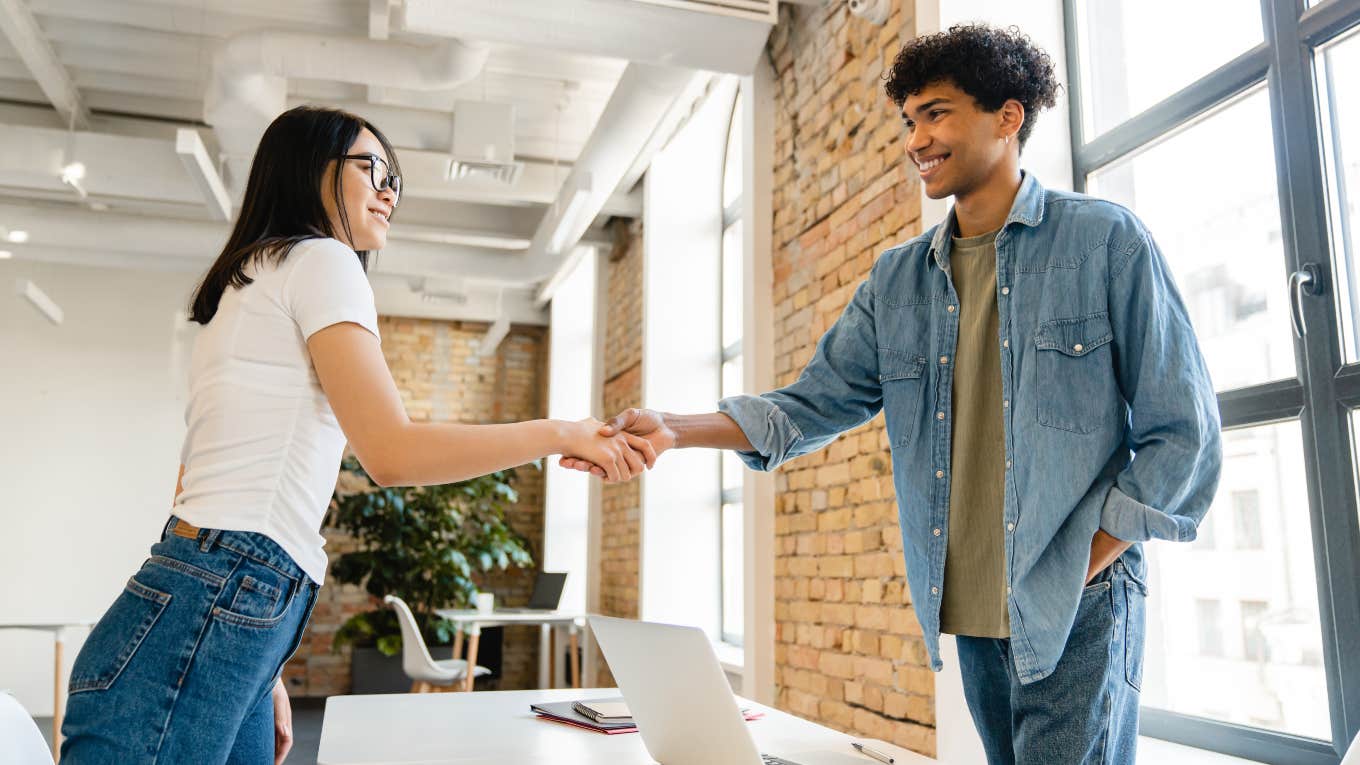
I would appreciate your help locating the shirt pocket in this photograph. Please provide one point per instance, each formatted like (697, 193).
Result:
(901, 374)
(1075, 373)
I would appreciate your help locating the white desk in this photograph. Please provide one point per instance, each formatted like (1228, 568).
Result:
(56, 627)
(471, 622)
(497, 727)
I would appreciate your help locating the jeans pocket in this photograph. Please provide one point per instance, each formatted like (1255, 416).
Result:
(1075, 372)
(900, 376)
(115, 639)
(257, 598)
(1135, 604)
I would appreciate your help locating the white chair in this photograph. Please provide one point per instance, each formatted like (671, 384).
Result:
(21, 742)
(427, 675)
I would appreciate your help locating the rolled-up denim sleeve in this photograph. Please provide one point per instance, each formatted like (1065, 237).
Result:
(838, 390)
(1174, 429)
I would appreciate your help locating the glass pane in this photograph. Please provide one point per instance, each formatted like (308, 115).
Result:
(732, 164)
(1216, 217)
(732, 595)
(732, 262)
(1135, 53)
(1233, 628)
(1338, 84)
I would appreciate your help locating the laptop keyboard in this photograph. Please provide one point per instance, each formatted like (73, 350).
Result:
(770, 759)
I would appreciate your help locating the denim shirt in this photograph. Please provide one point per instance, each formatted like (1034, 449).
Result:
(1111, 421)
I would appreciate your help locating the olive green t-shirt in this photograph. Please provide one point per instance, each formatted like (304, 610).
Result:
(974, 602)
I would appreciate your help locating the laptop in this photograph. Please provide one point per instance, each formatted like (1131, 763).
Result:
(681, 701)
(547, 593)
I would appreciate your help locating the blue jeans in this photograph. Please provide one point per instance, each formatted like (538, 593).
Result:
(1085, 712)
(180, 668)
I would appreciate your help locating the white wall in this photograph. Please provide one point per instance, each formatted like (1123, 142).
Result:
(91, 419)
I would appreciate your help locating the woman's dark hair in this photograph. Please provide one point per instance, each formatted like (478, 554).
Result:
(282, 204)
(991, 65)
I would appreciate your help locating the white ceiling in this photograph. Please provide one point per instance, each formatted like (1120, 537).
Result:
(140, 70)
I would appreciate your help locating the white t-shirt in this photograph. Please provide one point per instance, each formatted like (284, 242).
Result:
(263, 447)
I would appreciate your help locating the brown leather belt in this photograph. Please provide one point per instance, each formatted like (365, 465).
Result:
(183, 528)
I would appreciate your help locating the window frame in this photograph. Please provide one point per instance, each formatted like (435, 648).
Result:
(731, 216)
(1326, 390)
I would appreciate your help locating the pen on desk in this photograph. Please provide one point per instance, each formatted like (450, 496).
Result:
(874, 753)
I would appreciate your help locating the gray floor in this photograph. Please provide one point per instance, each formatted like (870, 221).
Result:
(306, 730)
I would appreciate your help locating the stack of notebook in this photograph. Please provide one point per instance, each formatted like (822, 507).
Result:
(608, 716)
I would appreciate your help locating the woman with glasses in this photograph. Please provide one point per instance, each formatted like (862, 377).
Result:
(185, 665)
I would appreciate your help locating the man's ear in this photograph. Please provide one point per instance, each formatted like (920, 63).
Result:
(1012, 117)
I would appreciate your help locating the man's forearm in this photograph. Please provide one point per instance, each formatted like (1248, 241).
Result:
(711, 431)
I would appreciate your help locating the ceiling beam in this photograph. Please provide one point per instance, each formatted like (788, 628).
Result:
(189, 147)
(21, 29)
(645, 94)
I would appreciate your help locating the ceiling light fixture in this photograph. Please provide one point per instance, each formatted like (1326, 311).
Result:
(72, 175)
(6, 254)
(568, 219)
(17, 236)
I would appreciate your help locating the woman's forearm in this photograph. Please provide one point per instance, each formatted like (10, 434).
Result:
(424, 454)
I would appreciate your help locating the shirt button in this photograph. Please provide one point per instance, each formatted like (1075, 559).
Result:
(950, 309)
(1010, 527)
(1005, 290)
(1008, 464)
(939, 474)
(1008, 589)
(937, 532)
(939, 415)
(1006, 404)
(944, 359)
(1005, 343)
(1077, 347)
(934, 590)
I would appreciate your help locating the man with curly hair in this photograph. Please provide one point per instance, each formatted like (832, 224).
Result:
(1047, 407)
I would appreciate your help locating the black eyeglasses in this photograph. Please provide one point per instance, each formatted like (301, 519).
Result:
(379, 174)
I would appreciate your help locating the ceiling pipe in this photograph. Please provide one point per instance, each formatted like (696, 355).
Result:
(250, 73)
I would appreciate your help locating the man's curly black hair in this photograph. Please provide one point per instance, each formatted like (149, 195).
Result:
(991, 65)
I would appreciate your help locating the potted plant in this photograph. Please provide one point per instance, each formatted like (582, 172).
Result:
(424, 545)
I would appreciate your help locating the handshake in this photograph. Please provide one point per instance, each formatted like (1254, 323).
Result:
(620, 449)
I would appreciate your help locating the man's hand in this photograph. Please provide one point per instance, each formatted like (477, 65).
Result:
(283, 723)
(1105, 550)
(646, 423)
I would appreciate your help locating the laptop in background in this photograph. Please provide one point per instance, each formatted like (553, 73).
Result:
(547, 593)
(683, 704)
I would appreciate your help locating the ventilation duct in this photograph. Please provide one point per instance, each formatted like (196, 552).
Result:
(250, 73)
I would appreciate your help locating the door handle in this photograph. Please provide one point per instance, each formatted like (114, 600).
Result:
(1306, 280)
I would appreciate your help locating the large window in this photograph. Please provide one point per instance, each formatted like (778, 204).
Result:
(1231, 129)
(732, 307)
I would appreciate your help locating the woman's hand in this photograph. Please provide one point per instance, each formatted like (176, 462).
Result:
(283, 723)
(621, 456)
(645, 424)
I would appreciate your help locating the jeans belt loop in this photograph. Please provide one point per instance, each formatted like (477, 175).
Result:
(207, 538)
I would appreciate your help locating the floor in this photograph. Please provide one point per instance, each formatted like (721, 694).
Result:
(306, 730)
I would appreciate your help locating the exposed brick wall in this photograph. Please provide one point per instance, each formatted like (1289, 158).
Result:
(848, 651)
(621, 504)
(440, 379)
